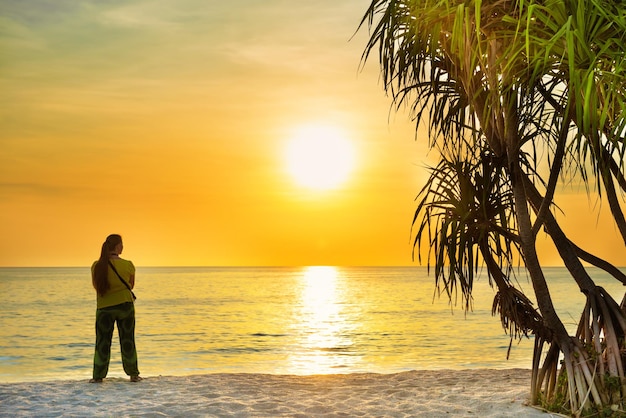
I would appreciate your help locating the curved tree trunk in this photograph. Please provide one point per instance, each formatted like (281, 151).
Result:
(614, 204)
(607, 169)
(544, 300)
(600, 263)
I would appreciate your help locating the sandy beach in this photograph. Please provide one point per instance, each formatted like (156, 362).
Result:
(440, 393)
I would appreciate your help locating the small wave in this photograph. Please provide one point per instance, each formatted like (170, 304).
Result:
(238, 350)
(262, 334)
(341, 350)
(79, 367)
(78, 345)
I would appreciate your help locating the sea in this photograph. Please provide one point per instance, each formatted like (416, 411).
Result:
(276, 320)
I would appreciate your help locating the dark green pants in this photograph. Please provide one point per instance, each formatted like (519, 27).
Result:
(124, 316)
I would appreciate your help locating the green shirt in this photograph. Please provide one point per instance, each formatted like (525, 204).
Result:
(118, 293)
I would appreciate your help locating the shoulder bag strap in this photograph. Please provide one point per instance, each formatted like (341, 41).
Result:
(123, 281)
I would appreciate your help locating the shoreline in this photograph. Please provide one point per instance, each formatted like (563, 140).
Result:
(420, 393)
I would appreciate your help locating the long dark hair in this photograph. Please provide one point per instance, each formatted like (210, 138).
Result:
(99, 278)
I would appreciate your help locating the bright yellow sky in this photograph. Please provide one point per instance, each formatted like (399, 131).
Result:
(168, 122)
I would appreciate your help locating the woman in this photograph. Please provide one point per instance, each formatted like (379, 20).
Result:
(113, 278)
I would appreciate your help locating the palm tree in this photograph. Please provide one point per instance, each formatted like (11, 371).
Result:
(502, 81)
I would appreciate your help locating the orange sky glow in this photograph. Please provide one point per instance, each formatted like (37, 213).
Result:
(168, 123)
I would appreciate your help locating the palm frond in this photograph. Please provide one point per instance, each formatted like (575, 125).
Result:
(463, 206)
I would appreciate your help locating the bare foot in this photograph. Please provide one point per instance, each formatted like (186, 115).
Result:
(95, 381)
(136, 378)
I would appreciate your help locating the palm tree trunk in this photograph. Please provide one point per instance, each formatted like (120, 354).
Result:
(529, 252)
(614, 205)
(562, 243)
(600, 263)
(608, 169)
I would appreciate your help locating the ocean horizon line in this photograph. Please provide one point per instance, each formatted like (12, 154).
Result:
(269, 266)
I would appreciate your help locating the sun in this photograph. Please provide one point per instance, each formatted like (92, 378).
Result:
(319, 157)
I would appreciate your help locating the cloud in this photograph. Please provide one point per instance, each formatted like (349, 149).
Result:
(70, 43)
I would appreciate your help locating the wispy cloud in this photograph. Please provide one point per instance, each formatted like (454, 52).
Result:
(42, 190)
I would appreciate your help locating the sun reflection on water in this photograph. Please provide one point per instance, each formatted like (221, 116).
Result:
(326, 343)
